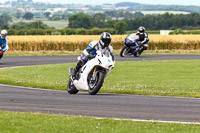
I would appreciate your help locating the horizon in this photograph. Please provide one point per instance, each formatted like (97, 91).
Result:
(91, 2)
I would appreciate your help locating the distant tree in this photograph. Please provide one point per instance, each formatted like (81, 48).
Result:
(98, 20)
(32, 25)
(165, 21)
(120, 27)
(38, 25)
(138, 14)
(118, 14)
(55, 17)
(28, 16)
(19, 26)
(18, 14)
(80, 21)
(66, 16)
(111, 13)
(4, 26)
(178, 31)
(47, 14)
(5, 19)
(110, 23)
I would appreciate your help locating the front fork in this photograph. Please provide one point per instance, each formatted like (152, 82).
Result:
(93, 74)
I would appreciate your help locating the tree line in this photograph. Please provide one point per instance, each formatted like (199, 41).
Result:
(83, 21)
(165, 21)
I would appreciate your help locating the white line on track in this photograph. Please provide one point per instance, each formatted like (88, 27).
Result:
(30, 88)
(12, 67)
(140, 120)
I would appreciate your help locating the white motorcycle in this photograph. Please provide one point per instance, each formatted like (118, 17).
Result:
(91, 76)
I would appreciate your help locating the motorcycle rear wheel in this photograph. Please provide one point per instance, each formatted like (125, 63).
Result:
(124, 51)
(136, 54)
(71, 89)
(95, 84)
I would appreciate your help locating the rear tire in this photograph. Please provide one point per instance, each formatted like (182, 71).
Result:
(95, 86)
(71, 89)
(124, 51)
(136, 54)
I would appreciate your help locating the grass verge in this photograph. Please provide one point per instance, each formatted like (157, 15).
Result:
(31, 123)
(163, 78)
(42, 53)
(78, 52)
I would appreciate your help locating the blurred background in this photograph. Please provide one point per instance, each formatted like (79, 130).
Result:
(163, 20)
(119, 16)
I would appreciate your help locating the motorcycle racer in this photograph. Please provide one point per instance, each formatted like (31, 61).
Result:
(3, 43)
(90, 51)
(143, 38)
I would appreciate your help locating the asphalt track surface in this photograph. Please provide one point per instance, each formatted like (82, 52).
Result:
(23, 99)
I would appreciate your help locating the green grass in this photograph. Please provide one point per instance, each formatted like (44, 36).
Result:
(163, 78)
(116, 52)
(11, 122)
(43, 53)
(59, 24)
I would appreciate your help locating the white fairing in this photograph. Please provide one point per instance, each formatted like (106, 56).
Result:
(100, 60)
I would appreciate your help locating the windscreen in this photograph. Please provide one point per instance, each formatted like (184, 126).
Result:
(105, 52)
(131, 38)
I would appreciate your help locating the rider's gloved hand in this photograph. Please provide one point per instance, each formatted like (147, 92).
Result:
(139, 43)
(90, 56)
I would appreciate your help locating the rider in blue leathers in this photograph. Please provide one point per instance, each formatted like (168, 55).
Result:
(3, 43)
(90, 51)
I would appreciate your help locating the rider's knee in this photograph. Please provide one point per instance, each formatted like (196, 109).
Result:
(145, 46)
(82, 61)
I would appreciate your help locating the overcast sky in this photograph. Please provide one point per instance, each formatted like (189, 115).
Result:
(168, 2)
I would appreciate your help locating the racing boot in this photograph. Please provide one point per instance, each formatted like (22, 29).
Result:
(74, 74)
(77, 68)
(140, 49)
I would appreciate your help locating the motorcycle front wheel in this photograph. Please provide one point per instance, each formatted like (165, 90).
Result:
(124, 51)
(96, 82)
(71, 89)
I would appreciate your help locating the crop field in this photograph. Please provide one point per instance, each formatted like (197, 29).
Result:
(79, 42)
(56, 24)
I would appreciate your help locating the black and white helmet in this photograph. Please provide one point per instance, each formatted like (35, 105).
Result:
(141, 29)
(4, 32)
(105, 39)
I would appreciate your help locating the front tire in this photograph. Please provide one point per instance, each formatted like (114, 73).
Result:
(96, 82)
(124, 51)
(71, 89)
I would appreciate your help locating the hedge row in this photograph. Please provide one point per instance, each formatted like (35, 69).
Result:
(171, 45)
(185, 32)
(68, 31)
